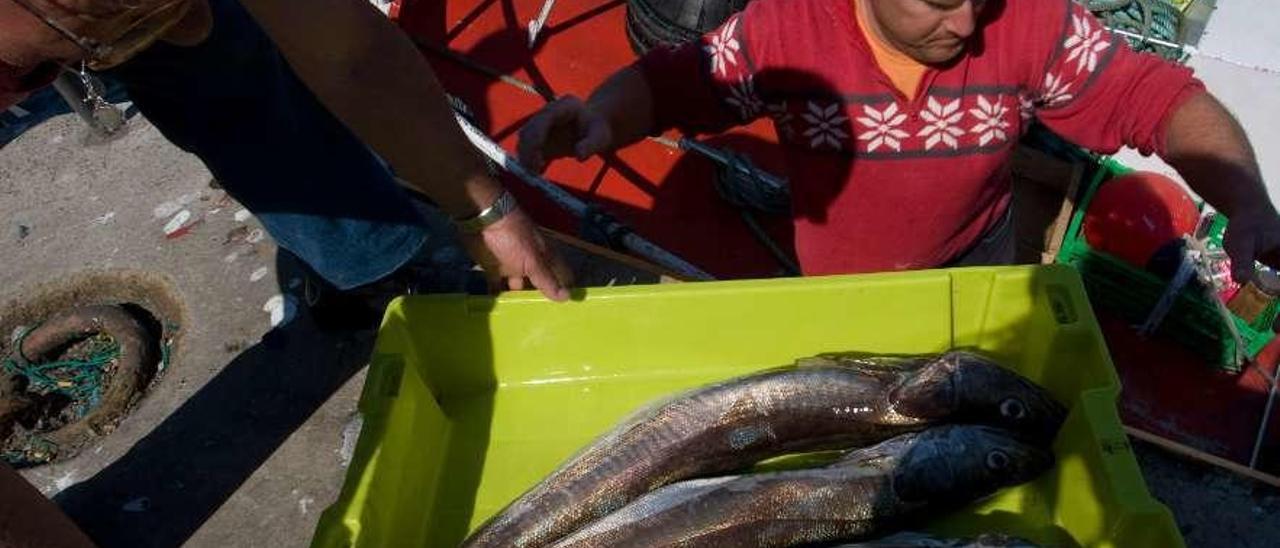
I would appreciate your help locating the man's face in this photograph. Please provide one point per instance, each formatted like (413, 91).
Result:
(929, 31)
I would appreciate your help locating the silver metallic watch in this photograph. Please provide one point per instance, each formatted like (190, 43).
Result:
(503, 206)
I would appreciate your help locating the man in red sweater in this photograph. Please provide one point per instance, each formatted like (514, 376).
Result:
(899, 118)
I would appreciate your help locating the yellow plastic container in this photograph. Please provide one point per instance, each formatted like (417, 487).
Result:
(471, 400)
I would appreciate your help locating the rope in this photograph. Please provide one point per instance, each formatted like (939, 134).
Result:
(740, 183)
(80, 379)
(1147, 20)
(37, 450)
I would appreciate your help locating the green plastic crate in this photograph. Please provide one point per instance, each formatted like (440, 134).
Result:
(471, 400)
(1131, 293)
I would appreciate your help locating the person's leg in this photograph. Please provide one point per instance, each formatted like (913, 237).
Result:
(234, 102)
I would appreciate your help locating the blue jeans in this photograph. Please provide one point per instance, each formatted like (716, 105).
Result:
(234, 102)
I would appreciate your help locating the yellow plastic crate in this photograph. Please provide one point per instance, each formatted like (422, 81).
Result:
(471, 400)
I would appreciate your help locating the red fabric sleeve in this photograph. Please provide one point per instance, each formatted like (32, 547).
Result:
(706, 86)
(1095, 91)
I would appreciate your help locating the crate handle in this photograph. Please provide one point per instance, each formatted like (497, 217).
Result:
(385, 374)
(1060, 303)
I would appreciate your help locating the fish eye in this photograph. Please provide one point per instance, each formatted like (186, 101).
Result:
(1013, 408)
(997, 460)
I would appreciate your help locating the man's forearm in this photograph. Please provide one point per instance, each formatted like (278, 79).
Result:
(27, 518)
(373, 79)
(1207, 146)
(627, 102)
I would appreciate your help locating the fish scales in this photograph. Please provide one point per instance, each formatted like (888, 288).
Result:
(830, 402)
(697, 437)
(868, 492)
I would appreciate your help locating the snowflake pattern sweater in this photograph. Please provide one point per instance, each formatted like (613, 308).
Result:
(880, 182)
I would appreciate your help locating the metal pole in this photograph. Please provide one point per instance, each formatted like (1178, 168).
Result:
(568, 201)
(1262, 428)
(536, 25)
(1182, 47)
(1241, 356)
(81, 101)
(491, 72)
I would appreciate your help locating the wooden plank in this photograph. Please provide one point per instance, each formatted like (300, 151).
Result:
(1058, 231)
(1043, 189)
(1201, 456)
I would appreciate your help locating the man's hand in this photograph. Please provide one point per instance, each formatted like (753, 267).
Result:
(511, 252)
(395, 104)
(1209, 149)
(1253, 235)
(566, 127)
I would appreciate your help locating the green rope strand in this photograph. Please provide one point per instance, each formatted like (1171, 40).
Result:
(1148, 18)
(80, 379)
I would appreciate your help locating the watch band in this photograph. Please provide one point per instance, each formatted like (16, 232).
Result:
(503, 206)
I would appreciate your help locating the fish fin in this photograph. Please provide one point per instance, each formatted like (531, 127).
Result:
(881, 456)
(797, 461)
(881, 367)
(822, 360)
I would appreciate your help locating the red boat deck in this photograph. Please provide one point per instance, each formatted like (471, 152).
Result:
(663, 194)
(1169, 391)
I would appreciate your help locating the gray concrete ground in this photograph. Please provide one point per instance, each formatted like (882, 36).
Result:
(241, 440)
(1212, 507)
(238, 443)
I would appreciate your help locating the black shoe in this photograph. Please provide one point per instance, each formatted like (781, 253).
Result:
(363, 307)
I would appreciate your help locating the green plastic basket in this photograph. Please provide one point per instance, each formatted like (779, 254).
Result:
(1131, 293)
(471, 400)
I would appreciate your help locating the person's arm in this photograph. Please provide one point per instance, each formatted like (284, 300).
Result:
(705, 86)
(29, 520)
(26, 41)
(619, 113)
(1209, 149)
(1090, 87)
(374, 79)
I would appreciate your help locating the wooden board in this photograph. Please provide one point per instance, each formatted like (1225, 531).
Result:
(1044, 188)
(1201, 456)
(595, 266)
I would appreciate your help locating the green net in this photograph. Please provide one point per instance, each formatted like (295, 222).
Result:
(79, 378)
(60, 391)
(1152, 19)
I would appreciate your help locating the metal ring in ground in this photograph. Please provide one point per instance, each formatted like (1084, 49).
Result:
(126, 382)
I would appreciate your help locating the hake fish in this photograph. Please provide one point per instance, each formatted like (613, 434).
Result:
(827, 402)
(867, 493)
